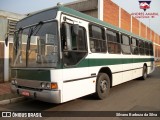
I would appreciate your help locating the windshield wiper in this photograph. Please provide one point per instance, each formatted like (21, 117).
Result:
(16, 45)
(31, 31)
(17, 40)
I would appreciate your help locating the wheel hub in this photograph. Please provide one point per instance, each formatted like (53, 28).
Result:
(103, 85)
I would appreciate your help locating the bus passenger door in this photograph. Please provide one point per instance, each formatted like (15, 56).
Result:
(76, 81)
(127, 57)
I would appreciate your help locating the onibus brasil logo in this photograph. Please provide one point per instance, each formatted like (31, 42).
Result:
(144, 4)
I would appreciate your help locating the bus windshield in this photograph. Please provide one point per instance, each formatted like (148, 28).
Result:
(36, 46)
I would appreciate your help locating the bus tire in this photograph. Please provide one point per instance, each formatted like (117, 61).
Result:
(144, 72)
(102, 86)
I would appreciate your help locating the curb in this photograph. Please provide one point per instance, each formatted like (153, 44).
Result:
(12, 100)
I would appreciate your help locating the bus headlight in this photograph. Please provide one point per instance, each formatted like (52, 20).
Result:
(43, 85)
(14, 82)
(48, 85)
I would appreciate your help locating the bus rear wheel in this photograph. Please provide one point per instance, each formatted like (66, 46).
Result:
(144, 74)
(102, 86)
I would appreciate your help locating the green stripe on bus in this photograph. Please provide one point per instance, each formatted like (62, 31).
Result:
(116, 61)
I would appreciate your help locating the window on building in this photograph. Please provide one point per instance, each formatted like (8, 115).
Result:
(113, 42)
(134, 46)
(125, 45)
(97, 39)
(11, 27)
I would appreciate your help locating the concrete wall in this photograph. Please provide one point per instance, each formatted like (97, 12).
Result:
(6, 51)
(3, 27)
(88, 7)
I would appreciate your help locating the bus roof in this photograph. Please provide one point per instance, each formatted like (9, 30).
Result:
(97, 21)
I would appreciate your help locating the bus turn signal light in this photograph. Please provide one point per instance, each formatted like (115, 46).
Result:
(54, 86)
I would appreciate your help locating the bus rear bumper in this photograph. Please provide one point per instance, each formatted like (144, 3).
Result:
(44, 95)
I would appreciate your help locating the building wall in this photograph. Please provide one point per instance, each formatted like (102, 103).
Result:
(3, 27)
(148, 33)
(89, 7)
(6, 52)
(111, 12)
(125, 20)
(135, 24)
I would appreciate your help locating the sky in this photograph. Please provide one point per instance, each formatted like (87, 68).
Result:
(27, 6)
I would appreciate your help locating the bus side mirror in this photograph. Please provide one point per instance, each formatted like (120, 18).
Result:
(75, 29)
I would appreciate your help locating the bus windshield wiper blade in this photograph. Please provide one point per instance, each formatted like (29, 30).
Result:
(17, 40)
(31, 31)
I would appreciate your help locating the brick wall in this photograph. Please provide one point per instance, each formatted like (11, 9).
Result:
(157, 38)
(125, 20)
(159, 51)
(148, 33)
(152, 38)
(135, 26)
(143, 30)
(111, 13)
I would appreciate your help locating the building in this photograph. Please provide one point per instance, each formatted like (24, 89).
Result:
(8, 21)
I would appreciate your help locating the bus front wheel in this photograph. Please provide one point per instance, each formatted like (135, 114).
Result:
(102, 86)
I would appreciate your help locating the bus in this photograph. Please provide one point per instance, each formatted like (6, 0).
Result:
(61, 54)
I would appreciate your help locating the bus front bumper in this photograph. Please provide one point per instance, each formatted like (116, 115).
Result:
(51, 96)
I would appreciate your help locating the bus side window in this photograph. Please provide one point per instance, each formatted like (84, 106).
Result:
(134, 46)
(97, 39)
(151, 49)
(74, 46)
(147, 48)
(113, 42)
(126, 44)
(141, 47)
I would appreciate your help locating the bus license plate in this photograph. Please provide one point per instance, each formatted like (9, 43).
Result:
(25, 93)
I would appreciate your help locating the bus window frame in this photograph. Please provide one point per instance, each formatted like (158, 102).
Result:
(119, 40)
(123, 34)
(62, 44)
(103, 36)
(137, 43)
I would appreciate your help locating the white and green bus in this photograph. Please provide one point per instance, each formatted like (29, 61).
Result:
(61, 54)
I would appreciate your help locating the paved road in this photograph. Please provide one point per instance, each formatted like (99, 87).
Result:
(131, 96)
